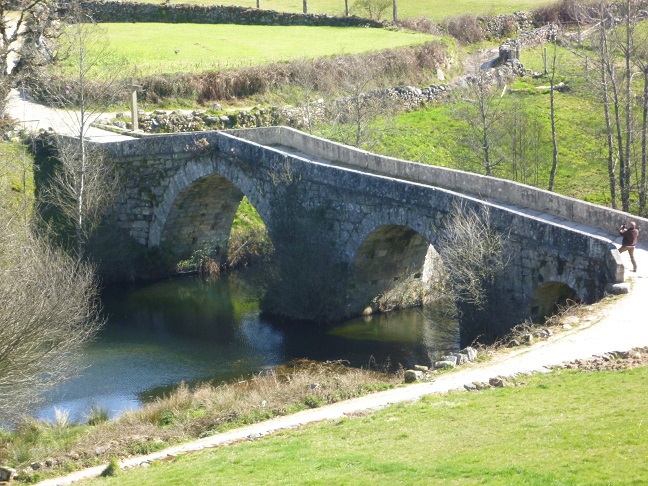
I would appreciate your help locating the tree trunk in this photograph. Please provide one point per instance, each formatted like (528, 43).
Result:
(611, 163)
(625, 189)
(554, 139)
(395, 5)
(346, 7)
(305, 6)
(644, 134)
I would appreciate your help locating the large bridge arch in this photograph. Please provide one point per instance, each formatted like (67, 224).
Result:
(198, 207)
(549, 297)
(386, 257)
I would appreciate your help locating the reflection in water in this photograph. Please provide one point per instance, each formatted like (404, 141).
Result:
(187, 330)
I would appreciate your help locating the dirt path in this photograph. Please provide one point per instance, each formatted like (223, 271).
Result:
(34, 116)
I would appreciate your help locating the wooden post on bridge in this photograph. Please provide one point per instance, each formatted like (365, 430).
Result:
(133, 102)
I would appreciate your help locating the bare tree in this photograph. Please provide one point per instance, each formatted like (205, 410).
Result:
(305, 82)
(81, 188)
(619, 58)
(361, 103)
(473, 253)
(26, 29)
(526, 143)
(85, 182)
(552, 116)
(48, 312)
(480, 108)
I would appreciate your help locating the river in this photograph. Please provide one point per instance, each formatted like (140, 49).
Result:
(159, 335)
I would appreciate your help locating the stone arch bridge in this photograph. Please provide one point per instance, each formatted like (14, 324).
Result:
(365, 221)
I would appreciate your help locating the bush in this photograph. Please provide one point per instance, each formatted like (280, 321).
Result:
(97, 415)
(421, 24)
(560, 12)
(113, 468)
(465, 29)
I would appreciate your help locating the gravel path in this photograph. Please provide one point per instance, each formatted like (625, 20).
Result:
(35, 116)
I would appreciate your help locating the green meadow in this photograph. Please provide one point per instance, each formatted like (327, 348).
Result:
(565, 428)
(170, 48)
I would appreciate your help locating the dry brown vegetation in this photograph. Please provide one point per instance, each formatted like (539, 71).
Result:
(185, 414)
(401, 66)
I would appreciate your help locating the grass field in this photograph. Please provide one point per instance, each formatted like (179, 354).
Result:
(15, 170)
(167, 48)
(435, 10)
(566, 428)
(434, 135)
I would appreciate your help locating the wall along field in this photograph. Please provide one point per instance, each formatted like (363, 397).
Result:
(435, 10)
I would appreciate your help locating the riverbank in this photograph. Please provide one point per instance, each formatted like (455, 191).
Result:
(615, 324)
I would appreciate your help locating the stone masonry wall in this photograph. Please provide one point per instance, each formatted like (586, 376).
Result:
(111, 11)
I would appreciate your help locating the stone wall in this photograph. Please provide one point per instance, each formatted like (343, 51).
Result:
(510, 49)
(606, 219)
(111, 11)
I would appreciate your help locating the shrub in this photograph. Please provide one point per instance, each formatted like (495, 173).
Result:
(97, 415)
(563, 11)
(466, 29)
(112, 469)
(421, 24)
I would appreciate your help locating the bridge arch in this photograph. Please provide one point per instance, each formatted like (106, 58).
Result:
(548, 298)
(387, 257)
(198, 209)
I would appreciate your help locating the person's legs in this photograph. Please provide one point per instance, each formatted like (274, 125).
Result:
(631, 253)
(630, 250)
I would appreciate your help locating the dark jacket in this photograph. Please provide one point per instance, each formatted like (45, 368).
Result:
(630, 236)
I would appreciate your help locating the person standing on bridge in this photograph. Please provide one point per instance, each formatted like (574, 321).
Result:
(630, 237)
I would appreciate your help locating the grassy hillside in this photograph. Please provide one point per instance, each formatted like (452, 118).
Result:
(168, 48)
(16, 173)
(435, 10)
(567, 428)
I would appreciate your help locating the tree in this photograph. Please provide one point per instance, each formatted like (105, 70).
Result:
(552, 116)
(526, 142)
(26, 29)
(48, 312)
(361, 102)
(619, 45)
(473, 253)
(480, 109)
(374, 9)
(85, 182)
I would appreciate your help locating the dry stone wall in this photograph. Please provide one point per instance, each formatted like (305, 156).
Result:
(110, 11)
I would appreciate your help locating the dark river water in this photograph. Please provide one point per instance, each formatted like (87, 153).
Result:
(187, 330)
